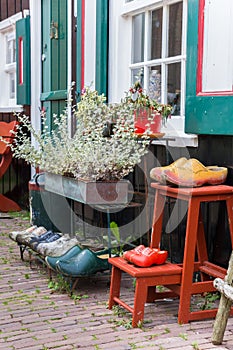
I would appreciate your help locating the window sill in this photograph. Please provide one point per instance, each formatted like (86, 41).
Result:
(11, 109)
(180, 139)
(175, 135)
(132, 7)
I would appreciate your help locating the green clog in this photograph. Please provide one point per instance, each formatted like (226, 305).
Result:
(51, 261)
(86, 263)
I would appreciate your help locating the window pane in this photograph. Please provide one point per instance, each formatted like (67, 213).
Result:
(156, 32)
(154, 90)
(138, 75)
(12, 85)
(174, 86)
(10, 51)
(138, 37)
(14, 51)
(175, 29)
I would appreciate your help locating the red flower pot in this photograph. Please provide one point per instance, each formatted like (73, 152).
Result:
(146, 121)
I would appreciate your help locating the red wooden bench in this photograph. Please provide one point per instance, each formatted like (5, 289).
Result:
(6, 204)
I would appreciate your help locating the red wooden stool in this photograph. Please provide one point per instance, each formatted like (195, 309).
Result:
(177, 277)
(194, 241)
(146, 277)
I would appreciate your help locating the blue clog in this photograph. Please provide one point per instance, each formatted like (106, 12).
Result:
(86, 263)
(51, 261)
(48, 237)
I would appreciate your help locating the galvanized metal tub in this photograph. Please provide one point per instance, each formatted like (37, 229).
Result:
(88, 192)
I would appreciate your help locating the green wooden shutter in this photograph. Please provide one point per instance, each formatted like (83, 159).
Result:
(203, 114)
(54, 57)
(79, 52)
(23, 61)
(101, 82)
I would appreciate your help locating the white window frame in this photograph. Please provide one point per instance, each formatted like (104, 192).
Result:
(121, 15)
(7, 30)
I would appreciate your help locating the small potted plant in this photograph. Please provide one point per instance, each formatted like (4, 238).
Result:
(149, 114)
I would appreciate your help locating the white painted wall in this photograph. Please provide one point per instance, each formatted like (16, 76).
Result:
(119, 51)
(35, 13)
(90, 47)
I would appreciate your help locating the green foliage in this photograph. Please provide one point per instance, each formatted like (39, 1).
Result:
(183, 336)
(117, 243)
(59, 285)
(137, 96)
(210, 299)
(195, 345)
(77, 297)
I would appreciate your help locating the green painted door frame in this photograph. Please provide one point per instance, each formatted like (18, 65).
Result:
(79, 53)
(102, 37)
(203, 114)
(54, 57)
(101, 46)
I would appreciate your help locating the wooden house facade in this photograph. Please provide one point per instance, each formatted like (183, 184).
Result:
(170, 45)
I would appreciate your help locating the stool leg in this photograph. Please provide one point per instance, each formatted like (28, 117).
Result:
(140, 297)
(157, 220)
(201, 242)
(115, 286)
(229, 204)
(188, 261)
(201, 246)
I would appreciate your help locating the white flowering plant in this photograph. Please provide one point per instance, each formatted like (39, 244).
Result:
(90, 153)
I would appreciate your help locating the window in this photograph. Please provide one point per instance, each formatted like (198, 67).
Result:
(8, 64)
(10, 48)
(158, 52)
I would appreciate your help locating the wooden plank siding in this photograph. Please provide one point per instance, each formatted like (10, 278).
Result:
(10, 7)
(14, 184)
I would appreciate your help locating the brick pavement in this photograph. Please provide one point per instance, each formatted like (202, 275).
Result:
(34, 318)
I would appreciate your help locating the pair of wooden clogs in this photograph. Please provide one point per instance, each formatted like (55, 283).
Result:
(189, 173)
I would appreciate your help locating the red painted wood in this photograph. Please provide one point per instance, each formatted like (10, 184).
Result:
(178, 278)
(20, 60)
(146, 277)
(6, 157)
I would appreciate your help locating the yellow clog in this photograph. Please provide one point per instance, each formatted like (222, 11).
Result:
(193, 173)
(157, 173)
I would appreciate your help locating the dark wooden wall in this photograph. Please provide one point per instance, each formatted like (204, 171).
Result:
(11, 7)
(14, 184)
(211, 150)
